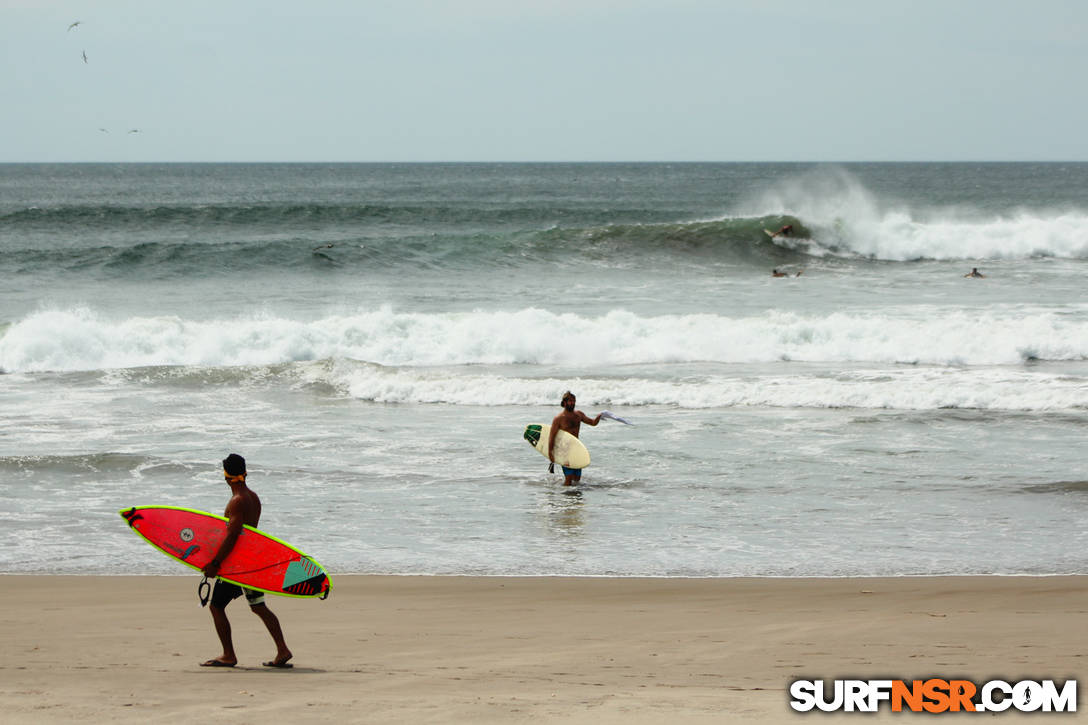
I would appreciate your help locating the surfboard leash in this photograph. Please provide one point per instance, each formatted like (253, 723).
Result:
(323, 597)
(204, 589)
(259, 568)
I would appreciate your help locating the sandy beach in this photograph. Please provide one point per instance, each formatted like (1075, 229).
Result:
(481, 649)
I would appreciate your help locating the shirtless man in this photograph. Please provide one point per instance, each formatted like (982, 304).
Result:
(571, 421)
(243, 508)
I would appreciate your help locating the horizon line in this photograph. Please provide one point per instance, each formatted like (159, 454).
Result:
(574, 162)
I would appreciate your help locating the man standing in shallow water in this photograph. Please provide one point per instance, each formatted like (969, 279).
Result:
(243, 508)
(571, 421)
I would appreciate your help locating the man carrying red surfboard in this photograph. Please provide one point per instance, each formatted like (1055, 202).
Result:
(244, 508)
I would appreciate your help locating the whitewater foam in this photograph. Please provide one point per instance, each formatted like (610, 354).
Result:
(899, 237)
(81, 339)
(845, 216)
(910, 389)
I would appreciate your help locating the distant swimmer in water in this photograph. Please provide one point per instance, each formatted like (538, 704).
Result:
(323, 246)
(776, 273)
(975, 273)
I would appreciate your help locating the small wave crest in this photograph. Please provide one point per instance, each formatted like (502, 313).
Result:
(907, 389)
(1002, 389)
(88, 464)
(278, 215)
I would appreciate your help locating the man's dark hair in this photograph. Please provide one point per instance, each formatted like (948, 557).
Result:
(234, 464)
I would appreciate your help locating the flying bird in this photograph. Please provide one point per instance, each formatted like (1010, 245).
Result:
(103, 130)
(78, 22)
(84, 56)
(134, 130)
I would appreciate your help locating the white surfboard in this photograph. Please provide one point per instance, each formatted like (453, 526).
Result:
(569, 451)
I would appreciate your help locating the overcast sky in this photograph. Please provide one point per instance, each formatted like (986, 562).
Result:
(544, 80)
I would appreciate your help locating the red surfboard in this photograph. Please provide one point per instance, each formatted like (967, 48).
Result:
(258, 560)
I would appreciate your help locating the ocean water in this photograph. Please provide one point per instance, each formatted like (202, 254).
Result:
(373, 338)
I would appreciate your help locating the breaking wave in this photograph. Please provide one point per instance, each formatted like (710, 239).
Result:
(82, 339)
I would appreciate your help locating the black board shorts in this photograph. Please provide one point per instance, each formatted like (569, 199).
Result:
(226, 592)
